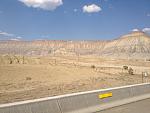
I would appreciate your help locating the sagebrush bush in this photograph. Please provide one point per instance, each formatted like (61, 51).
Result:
(130, 71)
(125, 67)
(28, 78)
(93, 66)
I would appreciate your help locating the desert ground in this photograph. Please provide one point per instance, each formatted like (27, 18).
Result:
(39, 77)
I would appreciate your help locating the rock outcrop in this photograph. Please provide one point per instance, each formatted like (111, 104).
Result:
(134, 45)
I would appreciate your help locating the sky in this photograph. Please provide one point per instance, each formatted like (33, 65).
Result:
(72, 19)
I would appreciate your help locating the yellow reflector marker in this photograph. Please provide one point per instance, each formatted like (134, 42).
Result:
(105, 95)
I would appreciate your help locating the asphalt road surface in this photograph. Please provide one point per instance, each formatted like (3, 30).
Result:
(136, 107)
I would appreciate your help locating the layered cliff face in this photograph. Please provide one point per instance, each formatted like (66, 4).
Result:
(44, 48)
(135, 44)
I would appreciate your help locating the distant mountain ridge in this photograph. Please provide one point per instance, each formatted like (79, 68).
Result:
(135, 45)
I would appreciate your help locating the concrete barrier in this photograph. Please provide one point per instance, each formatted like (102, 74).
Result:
(83, 102)
(33, 106)
(89, 102)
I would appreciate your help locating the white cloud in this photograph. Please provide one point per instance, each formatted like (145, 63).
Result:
(43, 4)
(75, 10)
(6, 34)
(91, 8)
(19, 37)
(15, 39)
(148, 14)
(9, 36)
(135, 30)
(146, 30)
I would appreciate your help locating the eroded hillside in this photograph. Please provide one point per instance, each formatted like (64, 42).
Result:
(133, 45)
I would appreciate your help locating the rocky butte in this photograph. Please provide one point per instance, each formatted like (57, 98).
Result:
(133, 45)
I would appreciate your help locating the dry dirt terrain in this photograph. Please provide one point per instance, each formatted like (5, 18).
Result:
(49, 76)
(35, 69)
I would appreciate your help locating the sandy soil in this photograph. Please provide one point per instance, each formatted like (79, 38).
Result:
(66, 75)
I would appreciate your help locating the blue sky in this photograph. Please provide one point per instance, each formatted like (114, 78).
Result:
(72, 19)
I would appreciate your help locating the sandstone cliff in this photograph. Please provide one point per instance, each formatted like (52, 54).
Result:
(133, 45)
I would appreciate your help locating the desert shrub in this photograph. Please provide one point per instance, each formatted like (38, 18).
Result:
(28, 78)
(147, 59)
(10, 62)
(125, 67)
(50, 51)
(130, 71)
(93, 66)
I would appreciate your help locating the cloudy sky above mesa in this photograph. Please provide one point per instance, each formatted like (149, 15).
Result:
(72, 19)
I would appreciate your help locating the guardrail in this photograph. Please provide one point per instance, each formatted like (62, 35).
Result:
(83, 102)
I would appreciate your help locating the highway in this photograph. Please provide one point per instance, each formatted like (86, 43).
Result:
(136, 107)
